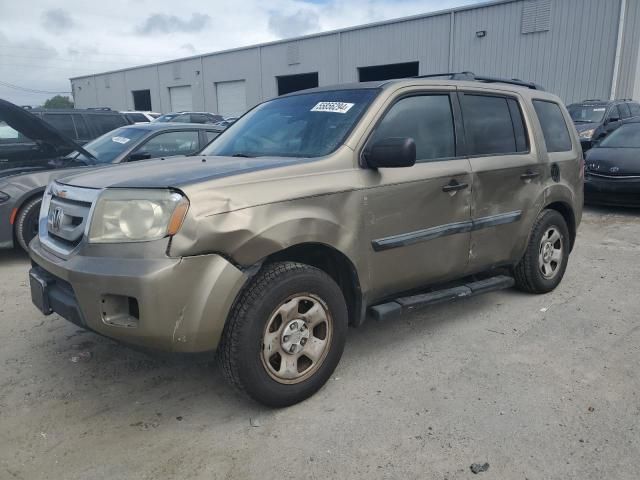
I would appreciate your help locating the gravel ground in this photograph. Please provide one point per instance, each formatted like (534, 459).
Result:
(539, 387)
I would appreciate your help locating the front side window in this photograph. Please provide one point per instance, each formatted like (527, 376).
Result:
(493, 125)
(428, 119)
(635, 109)
(624, 110)
(81, 127)
(304, 125)
(61, 122)
(554, 128)
(172, 143)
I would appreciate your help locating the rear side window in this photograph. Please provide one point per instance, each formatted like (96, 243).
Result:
(81, 127)
(106, 123)
(61, 122)
(427, 119)
(493, 125)
(211, 135)
(624, 110)
(554, 128)
(137, 117)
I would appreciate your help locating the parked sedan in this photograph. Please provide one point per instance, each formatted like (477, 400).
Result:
(613, 168)
(22, 184)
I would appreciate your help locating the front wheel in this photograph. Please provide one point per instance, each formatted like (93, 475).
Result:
(543, 265)
(285, 335)
(26, 222)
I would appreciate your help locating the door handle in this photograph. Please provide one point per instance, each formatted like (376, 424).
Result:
(454, 186)
(529, 175)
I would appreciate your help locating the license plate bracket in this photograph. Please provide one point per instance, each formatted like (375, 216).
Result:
(39, 293)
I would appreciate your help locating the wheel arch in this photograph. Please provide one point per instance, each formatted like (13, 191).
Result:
(22, 201)
(564, 209)
(335, 264)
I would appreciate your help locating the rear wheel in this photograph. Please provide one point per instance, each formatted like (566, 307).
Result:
(285, 335)
(26, 222)
(545, 261)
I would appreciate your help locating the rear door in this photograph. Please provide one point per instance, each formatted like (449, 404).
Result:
(418, 217)
(507, 176)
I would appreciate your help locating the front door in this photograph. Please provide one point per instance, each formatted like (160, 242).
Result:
(507, 177)
(417, 220)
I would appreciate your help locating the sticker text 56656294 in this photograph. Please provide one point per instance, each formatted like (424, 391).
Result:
(332, 107)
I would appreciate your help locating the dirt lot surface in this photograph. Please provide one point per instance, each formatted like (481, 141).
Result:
(540, 387)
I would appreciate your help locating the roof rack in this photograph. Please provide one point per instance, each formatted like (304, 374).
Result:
(592, 100)
(100, 109)
(470, 76)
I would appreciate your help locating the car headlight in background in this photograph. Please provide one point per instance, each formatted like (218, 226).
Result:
(4, 197)
(136, 215)
(587, 134)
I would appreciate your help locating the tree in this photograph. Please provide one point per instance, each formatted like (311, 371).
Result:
(58, 102)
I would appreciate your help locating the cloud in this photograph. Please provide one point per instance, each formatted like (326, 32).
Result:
(188, 47)
(298, 23)
(162, 23)
(57, 20)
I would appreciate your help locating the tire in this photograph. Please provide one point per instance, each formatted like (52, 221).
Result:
(26, 223)
(543, 265)
(263, 355)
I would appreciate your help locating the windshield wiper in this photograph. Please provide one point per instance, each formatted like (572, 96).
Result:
(243, 155)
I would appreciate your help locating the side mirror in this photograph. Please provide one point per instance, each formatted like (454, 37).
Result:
(139, 156)
(613, 119)
(392, 152)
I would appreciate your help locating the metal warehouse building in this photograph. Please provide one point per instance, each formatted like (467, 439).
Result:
(577, 49)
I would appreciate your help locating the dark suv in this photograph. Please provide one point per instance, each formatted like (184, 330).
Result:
(595, 119)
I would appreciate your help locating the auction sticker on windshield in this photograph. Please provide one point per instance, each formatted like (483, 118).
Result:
(121, 140)
(332, 107)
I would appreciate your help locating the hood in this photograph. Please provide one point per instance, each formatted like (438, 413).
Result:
(613, 161)
(581, 127)
(34, 128)
(175, 172)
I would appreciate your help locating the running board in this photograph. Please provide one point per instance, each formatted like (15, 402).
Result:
(404, 305)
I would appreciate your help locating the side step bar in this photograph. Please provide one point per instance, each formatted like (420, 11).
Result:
(404, 305)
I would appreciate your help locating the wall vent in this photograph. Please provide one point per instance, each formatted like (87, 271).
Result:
(293, 54)
(536, 16)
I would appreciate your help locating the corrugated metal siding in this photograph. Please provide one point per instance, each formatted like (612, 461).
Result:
(629, 51)
(425, 40)
(574, 59)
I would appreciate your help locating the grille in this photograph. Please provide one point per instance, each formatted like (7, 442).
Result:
(64, 217)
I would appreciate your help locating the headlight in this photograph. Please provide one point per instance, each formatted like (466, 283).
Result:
(4, 197)
(136, 215)
(587, 134)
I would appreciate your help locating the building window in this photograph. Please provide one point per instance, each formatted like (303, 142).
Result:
(387, 72)
(293, 83)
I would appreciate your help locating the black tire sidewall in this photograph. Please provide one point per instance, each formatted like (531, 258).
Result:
(255, 379)
(28, 213)
(550, 219)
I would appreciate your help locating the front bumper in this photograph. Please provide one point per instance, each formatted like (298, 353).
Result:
(171, 304)
(612, 191)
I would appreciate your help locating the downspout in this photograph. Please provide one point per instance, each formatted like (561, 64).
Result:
(616, 63)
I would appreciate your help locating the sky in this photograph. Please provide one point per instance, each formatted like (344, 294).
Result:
(42, 46)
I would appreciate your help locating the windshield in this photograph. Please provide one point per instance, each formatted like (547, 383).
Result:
(110, 145)
(166, 117)
(305, 125)
(587, 113)
(627, 136)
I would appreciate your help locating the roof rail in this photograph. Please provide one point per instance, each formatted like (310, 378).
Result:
(470, 76)
(592, 100)
(100, 109)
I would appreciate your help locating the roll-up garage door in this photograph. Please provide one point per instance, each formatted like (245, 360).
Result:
(181, 99)
(232, 98)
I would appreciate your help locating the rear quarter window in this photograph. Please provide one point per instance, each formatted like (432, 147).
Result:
(554, 128)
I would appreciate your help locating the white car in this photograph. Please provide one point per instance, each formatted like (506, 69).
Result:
(140, 117)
